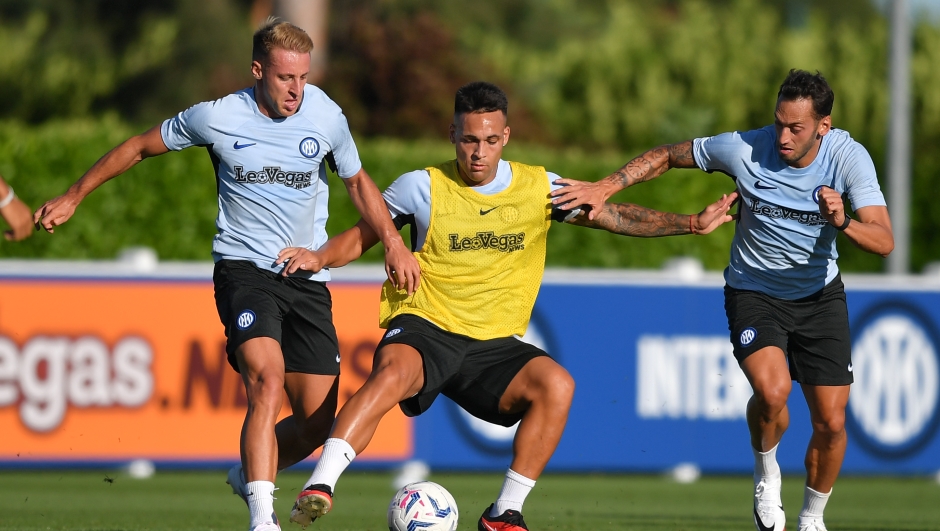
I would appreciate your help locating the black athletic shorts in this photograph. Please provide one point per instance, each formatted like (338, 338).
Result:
(473, 373)
(297, 312)
(812, 331)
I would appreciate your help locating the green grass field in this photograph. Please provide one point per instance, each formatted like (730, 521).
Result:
(51, 500)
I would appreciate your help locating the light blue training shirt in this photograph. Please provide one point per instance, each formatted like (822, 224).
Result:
(270, 173)
(782, 245)
(409, 199)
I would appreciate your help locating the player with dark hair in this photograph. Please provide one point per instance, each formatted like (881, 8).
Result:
(270, 145)
(784, 296)
(479, 227)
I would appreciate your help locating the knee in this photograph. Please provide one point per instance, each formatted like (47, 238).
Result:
(830, 424)
(557, 387)
(772, 398)
(394, 369)
(267, 391)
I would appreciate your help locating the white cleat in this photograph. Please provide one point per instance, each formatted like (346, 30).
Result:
(236, 478)
(768, 509)
(268, 526)
(816, 524)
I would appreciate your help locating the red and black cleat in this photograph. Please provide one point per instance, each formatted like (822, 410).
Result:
(508, 521)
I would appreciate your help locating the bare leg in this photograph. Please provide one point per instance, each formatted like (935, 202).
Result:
(397, 373)
(827, 445)
(767, 413)
(543, 389)
(313, 402)
(262, 369)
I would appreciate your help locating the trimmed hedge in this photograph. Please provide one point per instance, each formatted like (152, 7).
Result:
(169, 202)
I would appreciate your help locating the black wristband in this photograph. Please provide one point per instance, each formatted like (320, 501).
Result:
(845, 223)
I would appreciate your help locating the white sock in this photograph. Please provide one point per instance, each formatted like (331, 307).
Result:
(515, 489)
(336, 456)
(765, 464)
(260, 503)
(814, 503)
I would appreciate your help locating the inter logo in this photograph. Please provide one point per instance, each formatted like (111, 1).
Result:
(747, 336)
(245, 320)
(309, 147)
(393, 332)
(894, 407)
(816, 194)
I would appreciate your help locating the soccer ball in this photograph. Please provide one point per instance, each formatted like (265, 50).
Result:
(422, 506)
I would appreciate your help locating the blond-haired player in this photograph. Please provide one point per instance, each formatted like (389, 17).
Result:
(270, 145)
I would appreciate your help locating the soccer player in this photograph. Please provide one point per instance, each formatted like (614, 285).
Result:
(479, 225)
(270, 145)
(784, 296)
(15, 213)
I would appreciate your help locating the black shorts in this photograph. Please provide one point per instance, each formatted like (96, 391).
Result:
(812, 331)
(296, 312)
(473, 373)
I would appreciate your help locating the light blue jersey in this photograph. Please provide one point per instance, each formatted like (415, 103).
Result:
(409, 199)
(782, 245)
(270, 173)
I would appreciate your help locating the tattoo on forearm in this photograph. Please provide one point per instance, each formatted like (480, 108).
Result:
(654, 163)
(634, 220)
(680, 155)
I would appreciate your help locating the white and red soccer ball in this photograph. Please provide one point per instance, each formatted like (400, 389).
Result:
(422, 506)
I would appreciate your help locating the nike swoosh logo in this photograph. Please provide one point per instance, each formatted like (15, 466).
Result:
(760, 524)
(489, 527)
(243, 146)
(485, 212)
(760, 186)
(850, 367)
(337, 358)
(347, 457)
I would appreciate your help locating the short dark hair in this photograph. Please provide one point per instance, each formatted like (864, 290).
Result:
(480, 96)
(801, 84)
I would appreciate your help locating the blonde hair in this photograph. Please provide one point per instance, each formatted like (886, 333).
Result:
(276, 33)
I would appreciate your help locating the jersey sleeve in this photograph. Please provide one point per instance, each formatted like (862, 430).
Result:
(558, 214)
(188, 128)
(345, 153)
(408, 196)
(861, 180)
(717, 153)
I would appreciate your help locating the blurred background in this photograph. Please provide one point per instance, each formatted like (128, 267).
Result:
(592, 83)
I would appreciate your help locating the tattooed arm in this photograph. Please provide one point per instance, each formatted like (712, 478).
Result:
(647, 166)
(635, 220)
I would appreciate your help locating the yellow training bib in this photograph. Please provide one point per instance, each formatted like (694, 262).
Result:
(483, 257)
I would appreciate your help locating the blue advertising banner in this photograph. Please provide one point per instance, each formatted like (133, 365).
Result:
(657, 384)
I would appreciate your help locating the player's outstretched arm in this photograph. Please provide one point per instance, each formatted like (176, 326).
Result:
(15, 213)
(871, 232)
(635, 220)
(647, 166)
(336, 252)
(400, 265)
(117, 161)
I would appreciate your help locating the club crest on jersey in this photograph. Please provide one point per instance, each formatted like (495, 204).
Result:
(309, 147)
(505, 243)
(748, 335)
(393, 332)
(816, 194)
(245, 320)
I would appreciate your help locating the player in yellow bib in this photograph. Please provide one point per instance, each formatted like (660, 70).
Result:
(479, 227)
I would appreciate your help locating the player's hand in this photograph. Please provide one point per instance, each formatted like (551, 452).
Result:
(831, 206)
(715, 214)
(580, 194)
(402, 268)
(55, 212)
(299, 259)
(19, 218)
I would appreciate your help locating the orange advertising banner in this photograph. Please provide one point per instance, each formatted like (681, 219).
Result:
(108, 370)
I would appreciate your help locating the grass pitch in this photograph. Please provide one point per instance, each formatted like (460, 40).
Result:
(178, 501)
